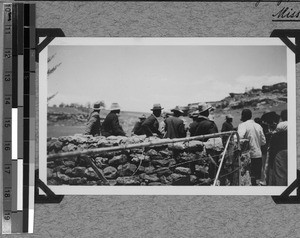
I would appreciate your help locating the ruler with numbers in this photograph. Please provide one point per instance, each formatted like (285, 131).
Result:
(18, 117)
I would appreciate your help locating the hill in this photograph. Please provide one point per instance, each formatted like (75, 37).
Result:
(259, 99)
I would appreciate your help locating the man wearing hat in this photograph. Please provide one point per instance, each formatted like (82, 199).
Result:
(174, 125)
(93, 126)
(227, 126)
(138, 125)
(151, 124)
(111, 126)
(205, 125)
(254, 133)
(192, 127)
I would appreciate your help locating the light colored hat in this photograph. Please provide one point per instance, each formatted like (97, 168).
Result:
(156, 106)
(114, 106)
(177, 109)
(142, 116)
(97, 106)
(202, 107)
(229, 116)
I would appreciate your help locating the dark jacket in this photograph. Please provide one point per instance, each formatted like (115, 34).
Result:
(93, 126)
(205, 127)
(137, 128)
(227, 126)
(174, 128)
(111, 126)
(193, 127)
(150, 126)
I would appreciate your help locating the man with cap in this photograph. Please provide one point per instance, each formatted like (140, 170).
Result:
(252, 131)
(93, 126)
(205, 125)
(192, 127)
(227, 126)
(151, 124)
(174, 125)
(111, 126)
(137, 127)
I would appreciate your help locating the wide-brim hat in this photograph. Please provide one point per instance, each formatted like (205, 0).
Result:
(202, 107)
(114, 106)
(177, 109)
(97, 106)
(142, 116)
(156, 106)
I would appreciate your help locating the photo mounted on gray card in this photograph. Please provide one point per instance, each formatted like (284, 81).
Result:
(167, 116)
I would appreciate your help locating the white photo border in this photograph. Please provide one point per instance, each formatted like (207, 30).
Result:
(168, 190)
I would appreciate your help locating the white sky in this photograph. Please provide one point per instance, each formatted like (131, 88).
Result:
(138, 76)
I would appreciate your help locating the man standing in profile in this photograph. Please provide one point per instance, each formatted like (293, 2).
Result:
(151, 124)
(111, 125)
(252, 131)
(227, 126)
(174, 125)
(93, 125)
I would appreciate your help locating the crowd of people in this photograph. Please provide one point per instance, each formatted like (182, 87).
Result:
(267, 136)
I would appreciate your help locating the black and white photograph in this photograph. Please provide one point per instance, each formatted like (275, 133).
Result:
(182, 116)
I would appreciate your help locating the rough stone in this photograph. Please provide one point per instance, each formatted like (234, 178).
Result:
(193, 179)
(101, 162)
(70, 164)
(49, 173)
(112, 182)
(172, 162)
(63, 178)
(91, 183)
(141, 169)
(126, 169)
(163, 179)
(53, 182)
(127, 181)
(179, 179)
(82, 161)
(50, 165)
(55, 145)
(79, 171)
(163, 171)
(110, 172)
(161, 163)
(152, 153)
(69, 172)
(116, 160)
(60, 168)
(154, 184)
(149, 170)
(183, 170)
(69, 147)
(149, 178)
(166, 153)
(202, 169)
(77, 181)
(90, 174)
(207, 181)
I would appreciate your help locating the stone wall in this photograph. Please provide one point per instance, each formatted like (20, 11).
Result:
(189, 163)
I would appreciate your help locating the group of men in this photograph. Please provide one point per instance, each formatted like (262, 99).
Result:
(174, 127)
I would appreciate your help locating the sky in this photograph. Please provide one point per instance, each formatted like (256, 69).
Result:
(136, 77)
